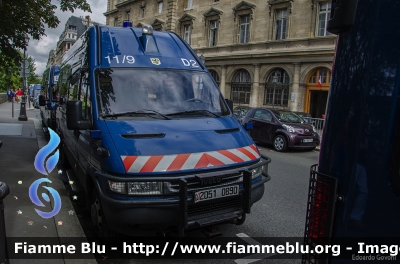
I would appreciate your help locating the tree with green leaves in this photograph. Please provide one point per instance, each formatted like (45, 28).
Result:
(20, 18)
(10, 76)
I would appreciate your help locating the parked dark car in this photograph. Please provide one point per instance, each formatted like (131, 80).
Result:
(306, 116)
(281, 128)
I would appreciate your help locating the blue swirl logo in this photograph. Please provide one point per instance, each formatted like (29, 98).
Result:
(45, 151)
(35, 199)
(40, 161)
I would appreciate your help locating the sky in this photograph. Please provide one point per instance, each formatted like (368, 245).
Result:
(39, 49)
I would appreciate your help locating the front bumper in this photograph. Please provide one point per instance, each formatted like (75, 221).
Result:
(296, 141)
(179, 211)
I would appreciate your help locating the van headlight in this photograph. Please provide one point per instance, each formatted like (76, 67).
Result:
(136, 188)
(288, 128)
(145, 188)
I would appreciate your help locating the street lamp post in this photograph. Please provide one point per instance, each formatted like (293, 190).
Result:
(22, 111)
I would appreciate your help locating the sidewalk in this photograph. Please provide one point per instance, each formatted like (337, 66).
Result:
(21, 142)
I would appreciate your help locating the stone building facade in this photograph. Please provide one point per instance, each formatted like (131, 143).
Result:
(74, 28)
(270, 53)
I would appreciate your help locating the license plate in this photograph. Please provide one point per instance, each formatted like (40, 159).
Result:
(216, 193)
(308, 140)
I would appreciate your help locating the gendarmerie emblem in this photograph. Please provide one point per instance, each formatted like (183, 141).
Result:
(155, 61)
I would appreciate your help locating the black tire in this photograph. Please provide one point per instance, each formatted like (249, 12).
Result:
(241, 220)
(280, 143)
(101, 228)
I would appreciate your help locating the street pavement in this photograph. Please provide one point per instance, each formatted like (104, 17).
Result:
(21, 142)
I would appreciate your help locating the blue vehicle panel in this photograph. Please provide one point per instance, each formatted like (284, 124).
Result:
(127, 48)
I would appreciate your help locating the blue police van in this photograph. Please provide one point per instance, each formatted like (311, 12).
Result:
(48, 100)
(150, 138)
(354, 192)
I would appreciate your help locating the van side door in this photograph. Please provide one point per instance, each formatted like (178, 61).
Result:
(68, 136)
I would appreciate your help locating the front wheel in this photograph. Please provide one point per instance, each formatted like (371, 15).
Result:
(280, 143)
(98, 219)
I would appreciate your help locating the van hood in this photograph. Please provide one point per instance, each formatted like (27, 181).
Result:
(180, 145)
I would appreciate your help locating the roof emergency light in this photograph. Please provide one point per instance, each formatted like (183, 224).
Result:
(147, 30)
(127, 23)
(147, 40)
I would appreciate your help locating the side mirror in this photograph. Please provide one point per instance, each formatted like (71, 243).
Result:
(42, 100)
(230, 104)
(74, 116)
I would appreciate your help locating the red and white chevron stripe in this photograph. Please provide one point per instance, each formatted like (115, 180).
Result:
(189, 161)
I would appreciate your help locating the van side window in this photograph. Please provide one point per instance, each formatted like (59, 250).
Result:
(74, 87)
(85, 96)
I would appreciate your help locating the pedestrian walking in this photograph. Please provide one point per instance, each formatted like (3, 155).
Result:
(10, 95)
(18, 95)
(14, 94)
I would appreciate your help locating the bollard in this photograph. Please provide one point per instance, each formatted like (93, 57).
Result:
(12, 108)
(4, 191)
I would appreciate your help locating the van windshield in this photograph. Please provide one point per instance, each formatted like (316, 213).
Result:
(168, 92)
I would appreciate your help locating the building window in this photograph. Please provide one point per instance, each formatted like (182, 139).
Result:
(244, 29)
(143, 11)
(68, 45)
(190, 4)
(215, 76)
(160, 7)
(277, 88)
(281, 18)
(323, 15)
(320, 77)
(213, 33)
(116, 22)
(241, 87)
(128, 16)
(186, 33)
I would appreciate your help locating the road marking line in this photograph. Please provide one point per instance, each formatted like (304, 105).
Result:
(254, 257)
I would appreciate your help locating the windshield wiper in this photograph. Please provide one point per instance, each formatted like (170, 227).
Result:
(194, 112)
(152, 111)
(139, 112)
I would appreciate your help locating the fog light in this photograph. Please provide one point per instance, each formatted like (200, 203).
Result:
(256, 172)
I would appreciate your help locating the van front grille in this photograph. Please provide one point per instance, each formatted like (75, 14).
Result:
(210, 208)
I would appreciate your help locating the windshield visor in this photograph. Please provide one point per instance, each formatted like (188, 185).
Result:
(164, 91)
